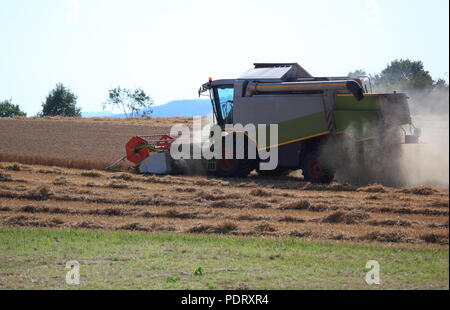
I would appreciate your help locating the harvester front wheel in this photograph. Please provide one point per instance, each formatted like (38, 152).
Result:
(233, 167)
(279, 172)
(315, 171)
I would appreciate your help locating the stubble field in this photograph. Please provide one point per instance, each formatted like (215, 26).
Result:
(39, 196)
(34, 196)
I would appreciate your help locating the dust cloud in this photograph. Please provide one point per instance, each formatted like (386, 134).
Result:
(199, 135)
(388, 160)
(427, 163)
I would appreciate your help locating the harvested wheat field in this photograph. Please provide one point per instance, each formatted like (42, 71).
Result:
(74, 142)
(44, 196)
(39, 196)
(57, 203)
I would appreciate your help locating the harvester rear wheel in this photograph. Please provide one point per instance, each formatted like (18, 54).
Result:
(315, 171)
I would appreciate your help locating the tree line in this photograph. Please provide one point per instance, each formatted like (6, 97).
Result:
(61, 101)
(403, 76)
(400, 75)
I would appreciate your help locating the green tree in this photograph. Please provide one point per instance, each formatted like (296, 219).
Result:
(133, 103)
(357, 73)
(61, 101)
(403, 75)
(7, 109)
(441, 84)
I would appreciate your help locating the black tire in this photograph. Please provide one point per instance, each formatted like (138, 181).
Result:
(315, 171)
(234, 167)
(274, 173)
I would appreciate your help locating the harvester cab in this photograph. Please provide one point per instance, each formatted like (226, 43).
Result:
(221, 93)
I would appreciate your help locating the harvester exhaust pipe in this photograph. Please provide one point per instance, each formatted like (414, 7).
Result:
(260, 88)
(355, 89)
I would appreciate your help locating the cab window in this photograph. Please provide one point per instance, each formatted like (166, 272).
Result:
(223, 96)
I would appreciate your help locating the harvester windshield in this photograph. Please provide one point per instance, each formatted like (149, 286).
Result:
(223, 101)
(221, 93)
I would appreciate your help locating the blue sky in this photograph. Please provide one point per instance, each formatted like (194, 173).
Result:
(169, 48)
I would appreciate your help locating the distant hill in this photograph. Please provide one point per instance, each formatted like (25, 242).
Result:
(184, 108)
(98, 114)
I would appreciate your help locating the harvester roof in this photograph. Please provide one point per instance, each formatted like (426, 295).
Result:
(276, 72)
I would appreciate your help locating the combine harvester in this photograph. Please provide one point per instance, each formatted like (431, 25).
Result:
(311, 113)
